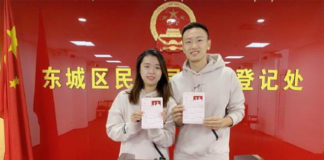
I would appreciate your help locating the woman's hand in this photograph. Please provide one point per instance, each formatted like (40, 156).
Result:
(136, 116)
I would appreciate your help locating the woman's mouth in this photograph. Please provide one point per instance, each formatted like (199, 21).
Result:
(151, 78)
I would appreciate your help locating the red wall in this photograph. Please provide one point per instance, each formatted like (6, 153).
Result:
(290, 124)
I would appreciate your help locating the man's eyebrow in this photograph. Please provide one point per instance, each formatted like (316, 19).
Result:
(189, 38)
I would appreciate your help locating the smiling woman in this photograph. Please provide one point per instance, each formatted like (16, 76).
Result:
(150, 72)
(126, 113)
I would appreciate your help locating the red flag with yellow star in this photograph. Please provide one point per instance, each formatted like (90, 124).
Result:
(13, 108)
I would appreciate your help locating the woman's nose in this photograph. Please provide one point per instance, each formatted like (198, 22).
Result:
(151, 70)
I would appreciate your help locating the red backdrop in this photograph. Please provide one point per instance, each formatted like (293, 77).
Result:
(280, 124)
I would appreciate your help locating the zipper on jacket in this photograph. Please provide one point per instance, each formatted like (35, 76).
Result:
(124, 129)
(215, 133)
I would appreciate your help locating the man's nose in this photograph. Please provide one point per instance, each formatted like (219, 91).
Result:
(194, 45)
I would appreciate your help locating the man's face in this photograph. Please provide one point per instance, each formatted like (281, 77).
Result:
(195, 44)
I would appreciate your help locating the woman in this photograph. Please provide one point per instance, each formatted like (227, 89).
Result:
(124, 118)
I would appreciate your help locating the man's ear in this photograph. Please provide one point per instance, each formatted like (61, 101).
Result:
(209, 44)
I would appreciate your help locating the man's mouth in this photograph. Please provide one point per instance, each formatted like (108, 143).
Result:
(194, 53)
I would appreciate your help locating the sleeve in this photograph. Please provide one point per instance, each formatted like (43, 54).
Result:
(164, 137)
(116, 127)
(235, 107)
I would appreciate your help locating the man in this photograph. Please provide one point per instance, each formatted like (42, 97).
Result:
(224, 99)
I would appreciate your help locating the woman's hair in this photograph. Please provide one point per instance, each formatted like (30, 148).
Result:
(162, 87)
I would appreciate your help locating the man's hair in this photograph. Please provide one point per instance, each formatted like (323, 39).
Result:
(195, 25)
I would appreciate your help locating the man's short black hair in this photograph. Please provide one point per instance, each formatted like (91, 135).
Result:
(195, 25)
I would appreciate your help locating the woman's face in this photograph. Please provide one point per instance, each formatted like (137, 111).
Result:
(150, 71)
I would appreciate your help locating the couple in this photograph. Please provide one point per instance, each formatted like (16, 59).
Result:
(224, 104)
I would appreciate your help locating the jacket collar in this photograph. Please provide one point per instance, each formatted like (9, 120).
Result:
(151, 94)
(215, 61)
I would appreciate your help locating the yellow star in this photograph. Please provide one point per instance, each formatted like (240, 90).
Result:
(13, 40)
(14, 82)
(173, 13)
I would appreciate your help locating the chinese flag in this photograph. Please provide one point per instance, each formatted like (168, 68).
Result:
(44, 105)
(13, 108)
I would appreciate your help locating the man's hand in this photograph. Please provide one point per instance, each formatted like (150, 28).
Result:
(177, 114)
(217, 123)
(163, 115)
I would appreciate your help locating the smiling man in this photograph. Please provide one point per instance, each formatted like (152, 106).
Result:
(224, 99)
